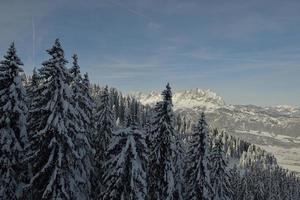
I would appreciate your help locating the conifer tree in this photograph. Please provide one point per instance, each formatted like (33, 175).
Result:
(82, 98)
(163, 152)
(13, 133)
(247, 194)
(83, 105)
(179, 167)
(236, 183)
(219, 174)
(32, 85)
(258, 185)
(197, 175)
(122, 112)
(272, 186)
(126, 163)
(58, 147)
(104, 127)
(87, 105)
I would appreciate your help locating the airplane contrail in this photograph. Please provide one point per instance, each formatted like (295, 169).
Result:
(33, 42)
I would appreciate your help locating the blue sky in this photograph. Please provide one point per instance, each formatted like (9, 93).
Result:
(246, 51)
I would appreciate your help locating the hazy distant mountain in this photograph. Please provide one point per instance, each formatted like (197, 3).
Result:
(187, 99)
(276, 129)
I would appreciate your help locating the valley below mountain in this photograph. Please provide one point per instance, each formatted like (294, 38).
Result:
(275, 129)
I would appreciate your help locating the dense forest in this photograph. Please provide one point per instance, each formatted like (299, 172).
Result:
(64, 138)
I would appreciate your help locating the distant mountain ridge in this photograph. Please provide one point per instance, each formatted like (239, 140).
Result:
(185, 99)
(275, 128)
(206, 98)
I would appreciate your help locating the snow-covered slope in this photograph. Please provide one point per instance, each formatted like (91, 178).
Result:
(277, 129)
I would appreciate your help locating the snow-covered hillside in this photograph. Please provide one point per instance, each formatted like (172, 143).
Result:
(277, 129)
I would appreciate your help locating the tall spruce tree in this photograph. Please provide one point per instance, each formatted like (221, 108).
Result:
(247, 193)
(32, 85)
(105, 125)
(82, 98)
(179, 167)
(87, 105)
(197, 175)
(164, 155)
(58, 147)
(258, 185)
(13, 133)
(126, 163)
(219, 174)
(236, 183)
(122, 111)
(83, 105)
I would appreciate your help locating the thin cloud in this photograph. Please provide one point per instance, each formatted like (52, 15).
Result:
(130, 10)
(154, 26)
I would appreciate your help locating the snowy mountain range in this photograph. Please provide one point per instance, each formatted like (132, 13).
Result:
(276, 129)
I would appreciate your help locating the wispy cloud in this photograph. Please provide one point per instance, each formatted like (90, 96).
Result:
(153, 26)
(130, 10)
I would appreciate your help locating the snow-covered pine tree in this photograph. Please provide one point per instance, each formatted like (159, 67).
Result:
(114, 95)
(163, 152)
(104, 127)
(197, 175)
(179, 165)
(247, 194)
(88, 105)
(272, 186)
(147, 130)
(57, 144)
(293, 190)
(236, 183)
(83, 105)
(31, 86)
(219, 174)
(126, 161)
(13, 133)
(258, 182)
(31, 89)
(82, 98)
(122, 110)
(25, 80)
